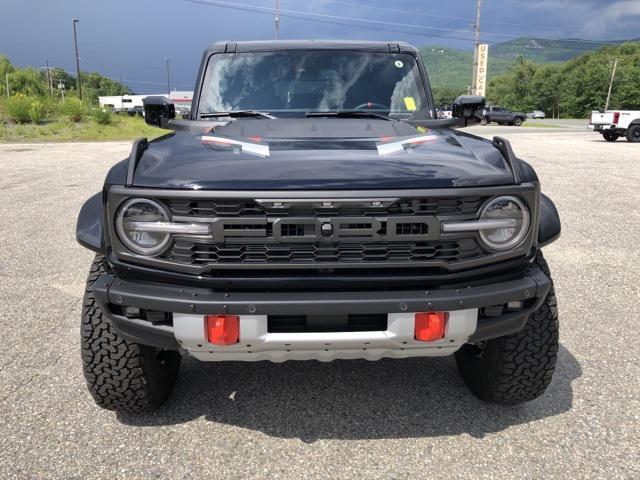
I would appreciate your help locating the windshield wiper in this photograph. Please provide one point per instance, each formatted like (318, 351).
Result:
(349, 114)
(237, 113)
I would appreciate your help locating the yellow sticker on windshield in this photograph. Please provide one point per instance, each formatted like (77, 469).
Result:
(410, 103)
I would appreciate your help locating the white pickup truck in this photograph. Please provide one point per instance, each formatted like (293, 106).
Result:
(614, 124)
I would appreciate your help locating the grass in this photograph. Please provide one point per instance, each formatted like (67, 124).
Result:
(62, 130)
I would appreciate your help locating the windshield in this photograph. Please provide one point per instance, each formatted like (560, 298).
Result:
(292, 83)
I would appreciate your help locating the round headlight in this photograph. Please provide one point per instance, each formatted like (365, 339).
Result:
(140, 241)
(505, 208)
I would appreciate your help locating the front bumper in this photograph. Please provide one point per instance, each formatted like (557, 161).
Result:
(600, 127)
(189, 305)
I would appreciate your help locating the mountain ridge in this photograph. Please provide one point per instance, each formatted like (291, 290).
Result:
(452, 68)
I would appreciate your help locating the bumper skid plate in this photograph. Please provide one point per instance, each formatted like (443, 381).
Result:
(256, 343)
(188, 307)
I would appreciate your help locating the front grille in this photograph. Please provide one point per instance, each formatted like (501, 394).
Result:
(323, 233)
(187, 252)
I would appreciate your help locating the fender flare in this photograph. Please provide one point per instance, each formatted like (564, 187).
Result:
(550, 228)
(89, 228)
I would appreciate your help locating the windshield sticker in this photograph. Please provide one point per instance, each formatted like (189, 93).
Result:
(410, 103)
(399, 64)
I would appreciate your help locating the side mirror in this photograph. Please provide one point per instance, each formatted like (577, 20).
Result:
(468, 107)
(158, 111)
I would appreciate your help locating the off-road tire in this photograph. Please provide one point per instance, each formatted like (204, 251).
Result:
(121, 375)
(517, 121)
(515, 368)
(633, 134)
(610, 136)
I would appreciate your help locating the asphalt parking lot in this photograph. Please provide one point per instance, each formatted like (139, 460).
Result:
(390, 419)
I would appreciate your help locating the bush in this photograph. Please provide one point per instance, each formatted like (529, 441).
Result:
(102, 117)
(36, 111)
(18, 108)
(74, 109)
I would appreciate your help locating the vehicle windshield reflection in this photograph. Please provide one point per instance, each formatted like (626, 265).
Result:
(292, 83)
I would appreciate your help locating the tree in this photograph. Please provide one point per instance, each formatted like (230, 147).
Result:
(575, 87)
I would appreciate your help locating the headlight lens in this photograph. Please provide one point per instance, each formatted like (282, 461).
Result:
(501, 208)
(142, 242)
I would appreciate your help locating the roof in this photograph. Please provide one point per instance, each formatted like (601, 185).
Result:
(270, 45)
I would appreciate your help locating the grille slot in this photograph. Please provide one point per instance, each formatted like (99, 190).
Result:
(185, 251)
(237, 208)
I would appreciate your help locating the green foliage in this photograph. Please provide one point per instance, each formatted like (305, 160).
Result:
(74, 109)
(574, 88)
(33, 82)
(36, 111)
(448, 67)
(62, 130)
(102, 117)
(28, 81)
(95, 85)
(18, 108)
(444, 96)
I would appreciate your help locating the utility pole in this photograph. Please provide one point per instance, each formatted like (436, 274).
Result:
(49, 80)
(167, 60)
(276, 19)
(475, 48)
(75, 42)
(6, 77)
(613, 74)
(61, 88)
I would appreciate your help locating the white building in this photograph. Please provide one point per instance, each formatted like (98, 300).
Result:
(127, 103)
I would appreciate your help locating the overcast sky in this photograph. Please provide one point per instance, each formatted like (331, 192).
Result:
(129, 39)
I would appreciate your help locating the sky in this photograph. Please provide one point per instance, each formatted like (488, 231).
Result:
(129, 39)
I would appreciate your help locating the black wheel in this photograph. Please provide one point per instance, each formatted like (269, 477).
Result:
(485, 121)
(517, 121)
(610, 136)
(516, 368)
(633, 134)
(121, 375)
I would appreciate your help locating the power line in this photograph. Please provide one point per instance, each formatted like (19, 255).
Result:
(423, 14)
(285, 12)
(327, 19)
(330, 19)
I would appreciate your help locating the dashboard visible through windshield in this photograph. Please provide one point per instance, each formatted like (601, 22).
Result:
(294, 83)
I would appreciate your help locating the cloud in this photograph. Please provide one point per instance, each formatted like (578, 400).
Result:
(620, 18)
(594, 19)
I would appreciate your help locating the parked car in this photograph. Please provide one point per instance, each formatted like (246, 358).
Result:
(306, 212)
(614, 124)
(539, 114)
(502, 116)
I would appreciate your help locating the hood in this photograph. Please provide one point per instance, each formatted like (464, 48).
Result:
(319, 153)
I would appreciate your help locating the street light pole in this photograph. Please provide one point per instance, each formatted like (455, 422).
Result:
(75, 42)
(167, 60)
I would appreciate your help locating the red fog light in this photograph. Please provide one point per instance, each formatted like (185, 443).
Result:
(222, 329)
(430, 326)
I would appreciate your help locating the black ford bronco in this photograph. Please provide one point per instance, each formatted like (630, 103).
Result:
(312, 206)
